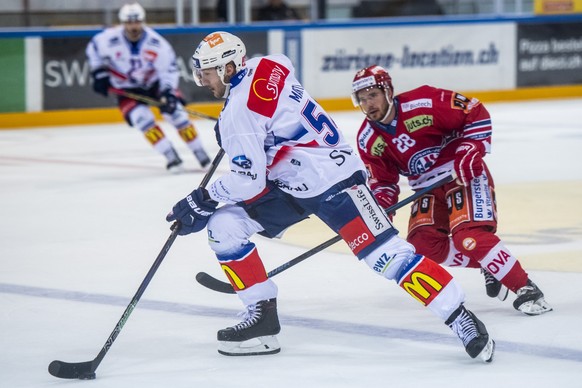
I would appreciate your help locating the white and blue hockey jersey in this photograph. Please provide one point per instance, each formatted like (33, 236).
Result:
(272, 129)
(134, 65)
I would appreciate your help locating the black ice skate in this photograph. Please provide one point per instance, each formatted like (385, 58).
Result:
(472, 333)
(494, 287)
(174, 162)
(260, 324)
(530, 300)
(202, 157)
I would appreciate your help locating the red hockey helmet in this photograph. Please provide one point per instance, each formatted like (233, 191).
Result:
(369, 77)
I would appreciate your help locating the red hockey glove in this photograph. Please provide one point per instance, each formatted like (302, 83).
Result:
(387, 196)
(469, 161)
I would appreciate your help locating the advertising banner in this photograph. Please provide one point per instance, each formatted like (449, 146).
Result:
(66, 79)
(549, 54)
(459, 57)
(550, 7)
(12, 76)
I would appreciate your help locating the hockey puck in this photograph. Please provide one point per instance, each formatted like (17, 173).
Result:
(87, 376)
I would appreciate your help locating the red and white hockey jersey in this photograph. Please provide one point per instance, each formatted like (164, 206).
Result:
(420, 142)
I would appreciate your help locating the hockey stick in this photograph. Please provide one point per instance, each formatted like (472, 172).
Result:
(86, 370)
(158, 103)
(211, 282)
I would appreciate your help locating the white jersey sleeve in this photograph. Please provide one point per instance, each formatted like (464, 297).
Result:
(273, 130)
(134, 65)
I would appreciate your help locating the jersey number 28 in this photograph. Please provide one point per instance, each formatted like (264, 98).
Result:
(403, 142)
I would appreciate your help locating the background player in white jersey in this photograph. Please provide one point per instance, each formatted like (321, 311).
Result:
(422, 134)
(288, 160)
(136, 59)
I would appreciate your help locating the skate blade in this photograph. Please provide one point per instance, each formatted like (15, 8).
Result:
(503, 292)
(538, 307)
(488, 351)
(179, 169)
(254, 347)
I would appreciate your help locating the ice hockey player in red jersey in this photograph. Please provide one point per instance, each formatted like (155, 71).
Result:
(134, 58)
(288, 160)
(424, 134)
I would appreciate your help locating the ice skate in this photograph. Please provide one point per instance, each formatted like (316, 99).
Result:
(530, 300)
(174, 164)
(255, 335)
(494, 287)
(202, 157)
(472, 333)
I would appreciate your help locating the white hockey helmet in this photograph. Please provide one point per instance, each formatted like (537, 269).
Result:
(216, 50)
(132, 12)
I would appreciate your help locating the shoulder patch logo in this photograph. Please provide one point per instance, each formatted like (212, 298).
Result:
(266, 86)
(458, 101)
(242, 161)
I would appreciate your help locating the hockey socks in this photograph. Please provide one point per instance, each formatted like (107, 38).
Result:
(243, 269)
(500, 263)
(431, 285)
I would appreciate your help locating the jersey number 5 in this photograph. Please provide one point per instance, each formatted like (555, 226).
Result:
(320, 122)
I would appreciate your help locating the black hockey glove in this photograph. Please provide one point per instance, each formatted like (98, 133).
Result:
(169, 102)
(101, 82)
(193, 211)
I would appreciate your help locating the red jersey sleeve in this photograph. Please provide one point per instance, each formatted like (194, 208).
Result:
(466, 115)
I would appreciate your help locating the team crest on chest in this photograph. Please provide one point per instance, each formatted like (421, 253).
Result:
(423, 160)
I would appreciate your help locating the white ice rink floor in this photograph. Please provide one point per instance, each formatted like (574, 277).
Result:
(82, 219)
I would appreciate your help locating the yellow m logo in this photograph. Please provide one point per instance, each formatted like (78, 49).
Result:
(416, 287)
(234, 277)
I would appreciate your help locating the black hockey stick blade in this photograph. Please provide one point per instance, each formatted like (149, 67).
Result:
(211, 282)
(214, 284)
(72, 370)
(86, 370)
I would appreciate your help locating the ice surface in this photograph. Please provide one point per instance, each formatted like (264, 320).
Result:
(82, 219)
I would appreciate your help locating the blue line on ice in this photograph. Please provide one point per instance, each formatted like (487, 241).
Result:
(309, 323)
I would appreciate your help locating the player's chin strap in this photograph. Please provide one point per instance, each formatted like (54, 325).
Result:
(154, 102)
(226, 91)
(390, 107)
(217, 285)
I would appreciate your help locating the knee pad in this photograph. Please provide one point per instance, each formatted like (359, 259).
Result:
(141, 117)
(179, 118)
(430, 242)
(475, 242)
(229, 229)
(387, 259)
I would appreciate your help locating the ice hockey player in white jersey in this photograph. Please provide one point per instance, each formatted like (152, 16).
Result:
(134, 58)
(288, 160)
